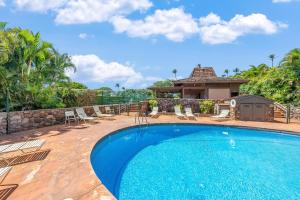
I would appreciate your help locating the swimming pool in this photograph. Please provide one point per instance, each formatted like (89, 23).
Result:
(181, 161)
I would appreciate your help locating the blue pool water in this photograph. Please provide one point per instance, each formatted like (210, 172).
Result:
(198, 162)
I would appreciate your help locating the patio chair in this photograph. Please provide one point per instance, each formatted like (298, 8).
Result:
(70, 116)
(224, 114)
(82, 115)
(154, 112)
(108, 110)
(34, 145)
(189, 113)
(178, 112)
(4, 172)
(99, 113)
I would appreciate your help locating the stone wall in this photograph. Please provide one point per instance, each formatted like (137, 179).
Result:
(27, 120)
(2, 123)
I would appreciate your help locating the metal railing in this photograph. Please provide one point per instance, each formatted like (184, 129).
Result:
(280, 107)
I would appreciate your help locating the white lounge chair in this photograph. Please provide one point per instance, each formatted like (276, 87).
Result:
(34, 145)
(22, 146)
(189, 113)
(82, 115)
(154, 112)
(99, 113)
(70, 116)
(223, 114)
(178, 112)
(108, 110)
(4, 172)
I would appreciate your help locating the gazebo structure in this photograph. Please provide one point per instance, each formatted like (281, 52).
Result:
(203, 83)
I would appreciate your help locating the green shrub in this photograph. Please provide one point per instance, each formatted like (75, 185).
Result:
(153, 103)
(206, 106)
(47, 98)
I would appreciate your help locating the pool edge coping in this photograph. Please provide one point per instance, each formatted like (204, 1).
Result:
(294, 133)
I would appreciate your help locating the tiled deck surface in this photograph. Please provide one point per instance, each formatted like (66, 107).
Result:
(66, 172)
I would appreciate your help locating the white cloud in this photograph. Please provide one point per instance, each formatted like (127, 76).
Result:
(91, 68)
(2, 3)
(89, 11)
(85, 36)
(174, 24)
(218, 32)
(83, 11)
(281, 1)
(39, 5)
(211, 18)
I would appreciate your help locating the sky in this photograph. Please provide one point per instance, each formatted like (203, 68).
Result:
(137, 42)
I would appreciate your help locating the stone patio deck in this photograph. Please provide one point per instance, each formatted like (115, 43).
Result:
(66, 172)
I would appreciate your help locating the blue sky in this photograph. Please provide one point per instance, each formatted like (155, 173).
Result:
(136, 42)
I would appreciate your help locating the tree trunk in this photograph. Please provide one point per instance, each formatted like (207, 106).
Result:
(29, 67)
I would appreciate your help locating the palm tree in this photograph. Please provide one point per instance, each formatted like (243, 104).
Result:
(123, 88)
(36, 49)
(291, 58)
(59, 63)
(3, 26)
(226, 72)
(272, 57)
(117, 85)
(236, 70)
(174, 71)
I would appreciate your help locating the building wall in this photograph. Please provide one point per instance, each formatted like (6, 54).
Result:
(219, 93)
(194, 94)
(213, 91)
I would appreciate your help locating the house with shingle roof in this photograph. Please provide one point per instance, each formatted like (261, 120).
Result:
(203, 83)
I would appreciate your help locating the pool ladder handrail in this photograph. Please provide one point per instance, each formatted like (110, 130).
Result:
(140, 118)
(141, 113)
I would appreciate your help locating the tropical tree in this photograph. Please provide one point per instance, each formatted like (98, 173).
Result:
(291, 58)
(281, 84)
(163, 83)
(72, 85)
(236, 70)
(174, 71)
(117, 85)
(33, 69)
(226, 72)
(272, 57)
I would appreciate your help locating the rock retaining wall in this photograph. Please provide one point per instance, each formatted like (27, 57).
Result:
(26, 120)
(2, 123)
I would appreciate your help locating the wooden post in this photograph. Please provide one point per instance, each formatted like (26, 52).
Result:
(7, 105)
(288, 114)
